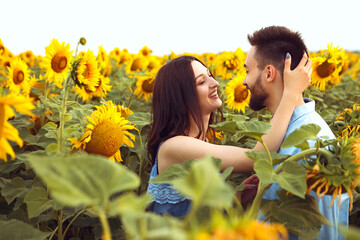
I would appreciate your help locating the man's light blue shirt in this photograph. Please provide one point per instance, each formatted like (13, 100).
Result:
(306, 114)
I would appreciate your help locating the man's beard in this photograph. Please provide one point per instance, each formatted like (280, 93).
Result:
(258, 95)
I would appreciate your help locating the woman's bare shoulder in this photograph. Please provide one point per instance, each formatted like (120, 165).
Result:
(180, 142)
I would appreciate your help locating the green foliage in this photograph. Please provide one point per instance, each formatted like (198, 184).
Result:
(199, 180)
(349, 233)
(14, 189)
(291, 178)
(17, 230)
(300, 216)
(49, 187)
(203, 185)
(299, 137)
(37, 202)
(98, 180)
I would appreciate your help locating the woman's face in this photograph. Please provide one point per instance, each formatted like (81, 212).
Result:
(206, 87)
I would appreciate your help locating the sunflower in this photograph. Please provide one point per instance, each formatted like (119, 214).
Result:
(348, 122)
(101, 89)
(145, 86)
(145, 51)
(18, 77)
(124, 111)
(327, 67)
(23, 105)
(250, 229)
(213, 135)
(340, 175)
(238, 96)
(139, 63)
(104, 62)
(324, 70)
(230, 63)
(354, 71)
(154, 63)
(2, 47)
(105, 133)
(57, 62)
(115, 53)
(85, 71)
(28, 57)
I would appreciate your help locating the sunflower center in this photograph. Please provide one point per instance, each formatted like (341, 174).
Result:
(58, 63)
(136, 64)
(145, 52)
(99, 84)
(230, 64)
(87, 89)
(240, 94)
(7, 64)
(85, 73)
(106, 139)
(326, 69)
(18, 77)
(148, 86)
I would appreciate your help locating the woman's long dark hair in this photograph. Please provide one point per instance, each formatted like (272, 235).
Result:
(174, 101)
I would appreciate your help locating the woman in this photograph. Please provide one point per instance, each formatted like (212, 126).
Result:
(184, 99)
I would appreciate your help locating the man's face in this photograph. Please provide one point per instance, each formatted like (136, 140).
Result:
(253, 82)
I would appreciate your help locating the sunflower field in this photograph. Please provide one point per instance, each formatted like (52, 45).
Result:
(73, 160)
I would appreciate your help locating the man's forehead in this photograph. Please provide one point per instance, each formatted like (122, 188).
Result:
(250, 58)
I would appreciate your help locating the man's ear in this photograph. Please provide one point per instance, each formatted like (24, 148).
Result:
(270, 73)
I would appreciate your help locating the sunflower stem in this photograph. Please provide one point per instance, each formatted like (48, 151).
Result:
(64, 94)
(45, 104)
(303, 154)
(105, 225)
(60, 224)
(254, 209)
(72, 220)
(266, 149)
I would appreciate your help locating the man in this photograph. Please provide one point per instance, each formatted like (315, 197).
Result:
(264, 67)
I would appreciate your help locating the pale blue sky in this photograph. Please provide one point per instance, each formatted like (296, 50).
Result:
(195, 26)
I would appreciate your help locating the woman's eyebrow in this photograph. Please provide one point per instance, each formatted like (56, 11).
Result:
(199, 76)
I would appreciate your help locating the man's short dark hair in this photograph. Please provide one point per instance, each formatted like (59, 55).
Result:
(272, 43)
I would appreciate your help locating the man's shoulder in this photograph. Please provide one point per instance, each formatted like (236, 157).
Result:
(309, 118)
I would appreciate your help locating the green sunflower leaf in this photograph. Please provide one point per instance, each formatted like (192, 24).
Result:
(83, 180)
(300, 216)
(299, 137)
(204, 186)
(276, 157)
(291, 178)
(14, 189)
(37, 202)
(254, 129)
(226, 126)
(139, 119)
(18, 230)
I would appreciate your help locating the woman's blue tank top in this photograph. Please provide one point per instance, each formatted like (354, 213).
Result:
(166, 199)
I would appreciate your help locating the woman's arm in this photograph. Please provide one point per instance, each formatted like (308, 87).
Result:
(181, 148)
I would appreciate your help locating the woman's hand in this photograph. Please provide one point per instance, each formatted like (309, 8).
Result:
(297, 80)
(250, 189)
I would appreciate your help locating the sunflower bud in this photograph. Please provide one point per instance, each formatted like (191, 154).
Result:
(82, 41)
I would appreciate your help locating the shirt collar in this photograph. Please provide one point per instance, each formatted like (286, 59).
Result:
(303, 109)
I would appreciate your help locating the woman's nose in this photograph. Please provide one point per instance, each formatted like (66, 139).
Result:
(214, 83)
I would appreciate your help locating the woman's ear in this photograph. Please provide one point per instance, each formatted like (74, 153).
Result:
(270, 71)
